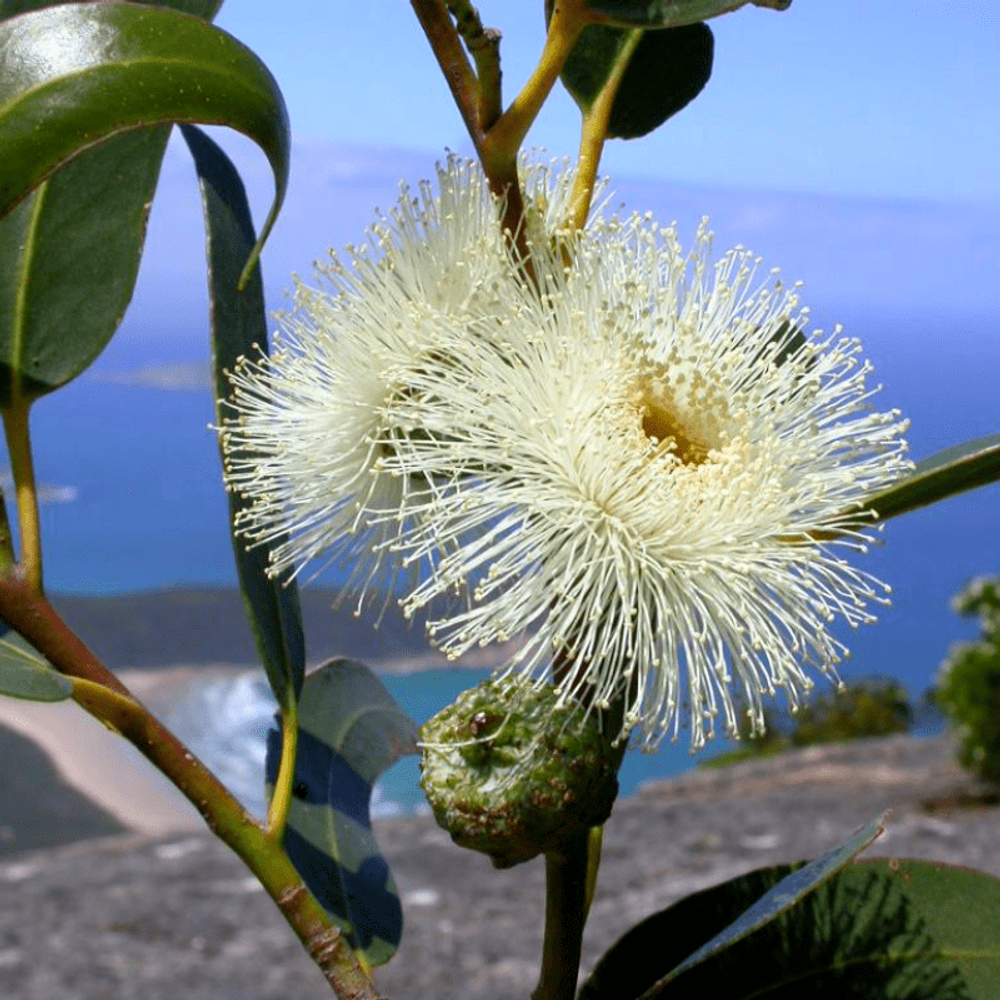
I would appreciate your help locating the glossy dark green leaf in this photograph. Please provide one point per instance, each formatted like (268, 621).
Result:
(952, 471)
(69, 253)
(881, 928)
(350, 731)
(652, 952)
(239, 325)
(670, 13)
(206, 9)
(76, 74)
(665, 72)
(24, 673)
(69, 256)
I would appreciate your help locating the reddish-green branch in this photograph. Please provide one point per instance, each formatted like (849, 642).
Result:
(232, 824)
(29, 613)
(458, 73)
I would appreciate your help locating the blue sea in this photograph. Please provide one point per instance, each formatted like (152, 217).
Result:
(132, 481)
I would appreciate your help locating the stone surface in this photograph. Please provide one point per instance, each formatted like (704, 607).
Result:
(128, 918)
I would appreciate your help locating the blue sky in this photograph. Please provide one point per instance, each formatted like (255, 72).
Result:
(853, 144)
(872, 97)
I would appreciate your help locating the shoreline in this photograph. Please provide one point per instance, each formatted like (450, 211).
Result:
(112, 774)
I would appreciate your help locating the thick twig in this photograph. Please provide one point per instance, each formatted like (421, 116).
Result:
(484, 47)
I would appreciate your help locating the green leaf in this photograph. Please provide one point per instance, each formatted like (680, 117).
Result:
(69, 253)
(69, 256)
(669, 13)
(206, 9)
(26, 674)
(723, 914)
(350, 731)
(954, 470)
(880, 928)
(120, 66)
(666, 71)
(239, 325)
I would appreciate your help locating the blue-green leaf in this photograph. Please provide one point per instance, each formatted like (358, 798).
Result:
(350, 731)
(725, 914)
(24, 673)
(954, 470)
(239, 327)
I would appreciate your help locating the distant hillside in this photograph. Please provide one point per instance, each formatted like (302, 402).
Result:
(164, 627)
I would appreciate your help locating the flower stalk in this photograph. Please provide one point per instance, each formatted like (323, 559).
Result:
(594, 133)
(566, 905)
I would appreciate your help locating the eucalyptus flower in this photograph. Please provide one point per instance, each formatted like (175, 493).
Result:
(644, 467)
(633, 459)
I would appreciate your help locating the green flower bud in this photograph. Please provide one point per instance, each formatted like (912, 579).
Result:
(513, 774)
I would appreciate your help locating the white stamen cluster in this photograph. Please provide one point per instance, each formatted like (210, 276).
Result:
(311, 424)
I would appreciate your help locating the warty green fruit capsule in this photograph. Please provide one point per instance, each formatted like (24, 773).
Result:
(510, 772)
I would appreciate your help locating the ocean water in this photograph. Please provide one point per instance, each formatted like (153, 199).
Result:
(132, 481)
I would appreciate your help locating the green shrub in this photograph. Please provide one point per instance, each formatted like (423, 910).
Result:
(968, 688)
(875, 706)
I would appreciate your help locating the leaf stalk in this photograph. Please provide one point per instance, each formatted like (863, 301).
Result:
(281, 800)
(15, 424)
(594, 132)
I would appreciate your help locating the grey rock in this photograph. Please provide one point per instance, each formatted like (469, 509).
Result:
(127, 918)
